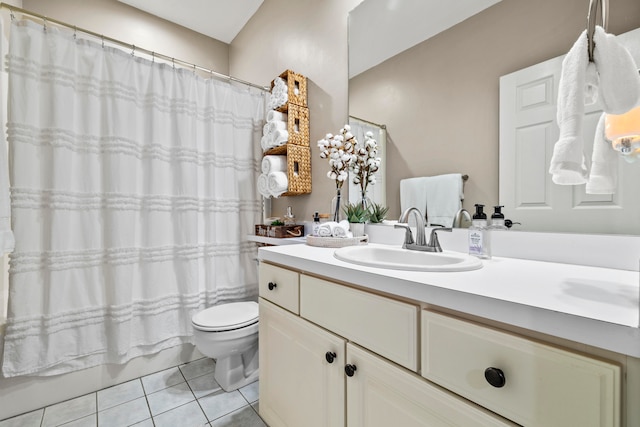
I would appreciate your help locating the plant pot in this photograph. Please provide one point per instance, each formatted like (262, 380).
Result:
(357, 228)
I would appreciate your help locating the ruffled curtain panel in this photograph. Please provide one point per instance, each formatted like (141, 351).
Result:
(132, 191)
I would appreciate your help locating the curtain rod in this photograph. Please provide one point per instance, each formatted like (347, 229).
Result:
(367, 121)
(133, 47)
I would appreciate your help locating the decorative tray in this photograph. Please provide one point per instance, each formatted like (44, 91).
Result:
(336, 242)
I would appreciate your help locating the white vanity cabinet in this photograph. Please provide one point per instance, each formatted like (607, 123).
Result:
(325, 366)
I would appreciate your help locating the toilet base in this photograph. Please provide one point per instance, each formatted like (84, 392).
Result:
(237, 370)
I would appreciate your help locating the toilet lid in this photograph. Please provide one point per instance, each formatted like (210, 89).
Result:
(224, 317)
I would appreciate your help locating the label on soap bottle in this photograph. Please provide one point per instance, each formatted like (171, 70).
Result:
(475, 242)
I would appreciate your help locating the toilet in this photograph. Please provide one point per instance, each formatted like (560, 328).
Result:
(228, 333)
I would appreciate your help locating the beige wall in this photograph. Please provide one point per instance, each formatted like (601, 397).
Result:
(130, 25)
(310, 38)
(440, 99)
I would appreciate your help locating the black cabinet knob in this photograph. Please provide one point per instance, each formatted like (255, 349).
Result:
(495, 377)
(272, 286)
(330, 356)
(350, 370)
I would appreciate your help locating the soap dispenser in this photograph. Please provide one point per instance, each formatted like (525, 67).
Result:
(316, 224)
(479, 238)
(497, 219)
(289, 219)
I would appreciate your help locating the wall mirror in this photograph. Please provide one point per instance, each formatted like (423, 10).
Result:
(439, 96)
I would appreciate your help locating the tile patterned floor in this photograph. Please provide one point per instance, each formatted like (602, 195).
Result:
(183, 396)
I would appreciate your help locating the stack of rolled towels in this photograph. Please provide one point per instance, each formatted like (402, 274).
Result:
(274, 132)
(334, 229)
(273, 180)
(279, 93)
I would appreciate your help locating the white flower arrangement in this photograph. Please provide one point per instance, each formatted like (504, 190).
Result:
(365, 162)
(339, 150)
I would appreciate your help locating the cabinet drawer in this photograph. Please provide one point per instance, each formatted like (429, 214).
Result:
(279, 286)
(543, 385)
(383, 325)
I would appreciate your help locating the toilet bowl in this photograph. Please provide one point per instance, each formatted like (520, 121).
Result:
(228, 333)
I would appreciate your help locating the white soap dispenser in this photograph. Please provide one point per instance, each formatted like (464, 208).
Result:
(479, 237)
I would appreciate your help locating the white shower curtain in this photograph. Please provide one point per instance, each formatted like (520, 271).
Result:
(132, 192)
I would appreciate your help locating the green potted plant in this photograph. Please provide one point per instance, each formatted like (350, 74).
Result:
(377, 213)
(357, 215)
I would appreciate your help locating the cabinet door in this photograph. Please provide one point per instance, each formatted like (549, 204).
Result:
(381, 394)
(298, 385)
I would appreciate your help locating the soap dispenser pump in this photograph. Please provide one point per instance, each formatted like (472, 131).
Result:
(479, 238)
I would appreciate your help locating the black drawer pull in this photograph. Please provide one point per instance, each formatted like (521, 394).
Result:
(330, 356)
(495, 377)
(272, 286)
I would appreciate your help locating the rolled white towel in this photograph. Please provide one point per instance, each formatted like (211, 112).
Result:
(279, 137)
(276, 115)
(326, 229)
(274, 164)
(279, 93)
(340, 229)
(278, 183)
(272, 126)
(263, 185)
(266, 142)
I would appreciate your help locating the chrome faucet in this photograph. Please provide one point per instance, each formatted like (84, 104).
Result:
(420, 244)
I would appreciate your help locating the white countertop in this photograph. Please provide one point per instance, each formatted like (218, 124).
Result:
(590, 305)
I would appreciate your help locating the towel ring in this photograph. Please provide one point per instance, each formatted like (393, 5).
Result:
(591, 22)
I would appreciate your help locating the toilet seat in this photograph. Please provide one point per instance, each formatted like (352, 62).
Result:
(226, 317)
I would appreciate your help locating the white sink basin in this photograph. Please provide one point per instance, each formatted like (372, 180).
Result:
(396, 258)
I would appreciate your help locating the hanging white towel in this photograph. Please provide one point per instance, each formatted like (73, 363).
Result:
(274, 164)
(619, 79)
(616, 75)
(567, 165)
(277, 183)
(413, 195)
(604, 164)
(444, 194)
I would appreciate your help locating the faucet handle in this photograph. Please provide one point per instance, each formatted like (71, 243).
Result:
(433, 239)
(408, 237)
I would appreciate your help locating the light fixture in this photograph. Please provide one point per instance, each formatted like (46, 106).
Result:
(623, 130)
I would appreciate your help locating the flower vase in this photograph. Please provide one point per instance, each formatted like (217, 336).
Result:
(336, 206)
(365, 201)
